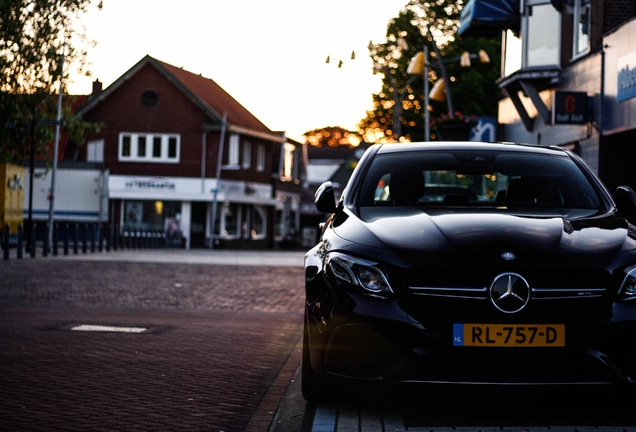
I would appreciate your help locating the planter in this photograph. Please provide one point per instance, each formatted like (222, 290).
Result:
(453, 131)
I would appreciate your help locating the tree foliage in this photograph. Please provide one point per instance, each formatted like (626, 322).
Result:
(332, 136)
(398, 108)
(34, 35)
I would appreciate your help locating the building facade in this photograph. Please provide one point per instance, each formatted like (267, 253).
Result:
(187, 160)
(561, 66)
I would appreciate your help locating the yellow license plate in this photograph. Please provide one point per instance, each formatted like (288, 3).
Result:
(513, 335)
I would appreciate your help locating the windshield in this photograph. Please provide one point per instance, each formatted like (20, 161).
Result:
(504, 181)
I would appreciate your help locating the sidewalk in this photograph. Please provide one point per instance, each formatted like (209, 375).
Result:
(182, 256)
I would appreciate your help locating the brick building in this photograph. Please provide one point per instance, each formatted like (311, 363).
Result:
(164, 129)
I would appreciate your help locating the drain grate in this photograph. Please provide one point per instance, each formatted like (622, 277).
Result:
(103, 328)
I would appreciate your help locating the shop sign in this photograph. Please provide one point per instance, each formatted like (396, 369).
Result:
(155, 184)
(570, 108)
(626, 77)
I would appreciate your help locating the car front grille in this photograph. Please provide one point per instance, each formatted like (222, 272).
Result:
(461, 293)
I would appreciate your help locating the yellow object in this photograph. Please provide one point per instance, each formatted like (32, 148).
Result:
(437, 92)
(483, 56)
(416, 66)
(11, 197)
(464, 59)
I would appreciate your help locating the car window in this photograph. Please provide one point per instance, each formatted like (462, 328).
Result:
(464, 178)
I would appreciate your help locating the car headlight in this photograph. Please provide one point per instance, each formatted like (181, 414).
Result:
(365, 274)
(628, 287)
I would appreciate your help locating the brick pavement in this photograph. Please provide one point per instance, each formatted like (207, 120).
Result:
(217, 339)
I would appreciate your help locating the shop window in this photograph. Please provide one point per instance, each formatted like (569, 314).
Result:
(259, 223)
(231, 221)
(165, 147)
(154, 216)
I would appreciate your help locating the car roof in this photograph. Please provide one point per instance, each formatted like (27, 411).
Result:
(468, 145)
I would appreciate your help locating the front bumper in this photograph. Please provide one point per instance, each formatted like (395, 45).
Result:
(353, 336)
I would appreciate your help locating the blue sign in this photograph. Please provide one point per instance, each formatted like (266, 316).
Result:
(485, 130)
(626, 77)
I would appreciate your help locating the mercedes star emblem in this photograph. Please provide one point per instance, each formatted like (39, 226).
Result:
(510, 292)
(508, 256)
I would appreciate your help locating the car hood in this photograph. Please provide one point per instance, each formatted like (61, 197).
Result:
(455, 231)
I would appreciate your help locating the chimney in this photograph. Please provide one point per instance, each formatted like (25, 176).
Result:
(97, 87)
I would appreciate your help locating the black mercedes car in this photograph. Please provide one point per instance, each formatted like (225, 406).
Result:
(471, 263)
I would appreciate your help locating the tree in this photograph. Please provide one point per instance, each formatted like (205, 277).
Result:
(397, 112)
(34, 35)
(332, 136)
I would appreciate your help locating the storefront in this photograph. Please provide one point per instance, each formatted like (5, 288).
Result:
(618, 141)
(182, 209)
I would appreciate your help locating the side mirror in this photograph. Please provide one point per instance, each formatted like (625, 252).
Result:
(626, 198)
(325, 198)
(626, 202)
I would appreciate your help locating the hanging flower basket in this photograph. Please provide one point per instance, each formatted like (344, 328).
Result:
(456, 128)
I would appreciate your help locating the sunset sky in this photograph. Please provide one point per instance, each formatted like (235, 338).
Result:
(269, 55)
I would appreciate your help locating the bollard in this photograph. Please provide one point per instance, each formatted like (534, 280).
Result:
(109, 237)
(20, 235)
(93, 234)
(32, 240)
(5, 242)
(85, 238)
(115, 236)
(100, 239)
(56, 233)
(76, 239)
(66, 228)
(45, 245)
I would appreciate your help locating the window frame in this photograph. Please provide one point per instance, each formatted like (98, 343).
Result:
(512, 42)
(233, 152)
(577, 8)
(129, 146)
(261, 155)
(247, 155)
(525, 32)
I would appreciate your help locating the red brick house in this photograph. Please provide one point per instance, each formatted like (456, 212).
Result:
(164, 129)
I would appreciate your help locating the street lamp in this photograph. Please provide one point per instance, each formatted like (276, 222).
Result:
(419, 65)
